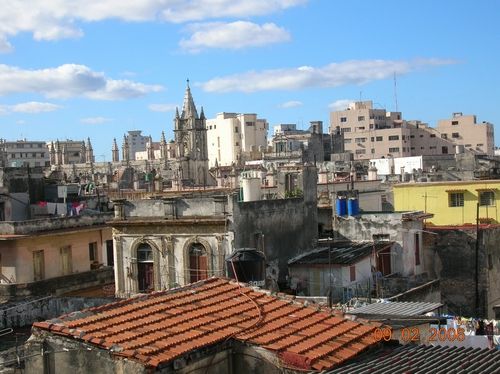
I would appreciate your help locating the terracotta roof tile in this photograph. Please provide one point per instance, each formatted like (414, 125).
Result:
(162, 326)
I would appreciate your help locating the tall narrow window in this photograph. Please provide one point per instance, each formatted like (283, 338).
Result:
(352, 271)
(38, 265)
(198, 262)
(486, 198)
(417, 249)
(93, 251)
(66, 260)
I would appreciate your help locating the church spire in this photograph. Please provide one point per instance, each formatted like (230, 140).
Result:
(202, 114)
(188, 108)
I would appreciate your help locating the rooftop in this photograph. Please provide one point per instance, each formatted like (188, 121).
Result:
(341, 253)
(158, 328)
(426, 359)
(397, 308)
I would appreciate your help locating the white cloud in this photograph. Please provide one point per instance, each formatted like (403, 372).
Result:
(332, 75)
(341, 104)
(31, 107)
(34, 107)
(69, 80)
(291, 104)
(234, 35)
(57, 19)
(162, 107)
(95, 120)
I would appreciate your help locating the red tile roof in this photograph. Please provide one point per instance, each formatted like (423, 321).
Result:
(162, 326)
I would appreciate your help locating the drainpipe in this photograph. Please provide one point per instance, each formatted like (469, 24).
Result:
(476, 276)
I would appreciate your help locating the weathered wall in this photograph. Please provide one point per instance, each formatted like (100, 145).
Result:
(365, 226)
(169, 241)
(453, 251)
(17, 255)
(63, 355)
(20, 314)
(59, 285)
(281, 228)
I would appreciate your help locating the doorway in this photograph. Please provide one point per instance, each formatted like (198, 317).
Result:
(145, 272)
(198, 262)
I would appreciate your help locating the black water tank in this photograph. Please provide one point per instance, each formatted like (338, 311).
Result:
(249, 265)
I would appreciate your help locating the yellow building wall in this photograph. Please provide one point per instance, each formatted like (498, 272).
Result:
(433, 197)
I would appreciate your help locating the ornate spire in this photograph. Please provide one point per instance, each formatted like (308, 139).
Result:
(115, 146)
(188, 108)
(89, 145)
(162, 139)
(202, 114)
(177, 112)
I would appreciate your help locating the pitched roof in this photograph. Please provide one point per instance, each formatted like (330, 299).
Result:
(426, 359)
(397, 308)
(343, 253)
(157, 328)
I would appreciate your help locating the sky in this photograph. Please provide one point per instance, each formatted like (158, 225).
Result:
(99, 68)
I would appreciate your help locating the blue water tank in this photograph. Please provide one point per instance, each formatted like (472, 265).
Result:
(353, 206)
(341, 206)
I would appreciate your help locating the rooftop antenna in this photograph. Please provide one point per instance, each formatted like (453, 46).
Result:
(395, 92)
(360, 96)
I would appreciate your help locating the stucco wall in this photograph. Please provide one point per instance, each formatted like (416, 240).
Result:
(453, 252)
(17, 255)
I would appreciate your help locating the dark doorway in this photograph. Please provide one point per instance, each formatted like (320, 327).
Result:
(145, 273)
(198, 262)
(384, 261)
(109, 253)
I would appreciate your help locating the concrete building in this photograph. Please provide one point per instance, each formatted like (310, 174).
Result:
(309, 145)
(232, 137)
(376, 133)
(451, 203)
(465, 131)
(53, 251)
(135, 142)
(23, 153)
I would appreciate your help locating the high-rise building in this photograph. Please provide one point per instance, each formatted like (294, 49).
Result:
(24, 153)
(231, 136)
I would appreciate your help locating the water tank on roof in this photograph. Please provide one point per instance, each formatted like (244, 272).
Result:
(250, 184)
(249, 265)
(353, 206)
(341, 206)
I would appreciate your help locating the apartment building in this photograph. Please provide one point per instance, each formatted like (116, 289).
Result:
(376, 133)
(24, 153)
(464, 130)
(231, 136)
(136, 142)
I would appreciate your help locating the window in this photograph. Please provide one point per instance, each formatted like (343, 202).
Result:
(433, 135)
(372, 139)
(432, 147)
(454, 123)
(360, 140)
(486, 198)
(249, 123)
(479, 145)
(361, 128)
(343, 119)
(444, 136)
(346, 129)
(394, 150)
(412, 136)
(379, 138)
(236, 129)
(236, 144)
(360, 151)
(456, 199)
(347, 141)
(444, 150)
(361, 118)
(417, 249)
(352, 272)
(373, 150)
(393, 137)
(38, 265)
(468, 145)
(93, 251)
(66, 261)
(455, 135)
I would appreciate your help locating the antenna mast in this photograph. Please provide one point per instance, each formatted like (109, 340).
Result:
(395, 92)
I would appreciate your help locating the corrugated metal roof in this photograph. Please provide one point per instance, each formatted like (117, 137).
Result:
(340, 253)
(397, 308)
(420, 359)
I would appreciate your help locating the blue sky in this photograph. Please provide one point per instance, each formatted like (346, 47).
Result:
(98, 68)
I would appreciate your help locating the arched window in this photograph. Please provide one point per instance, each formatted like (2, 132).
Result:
(198, 262)
(145, 272)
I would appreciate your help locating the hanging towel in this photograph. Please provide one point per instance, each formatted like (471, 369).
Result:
(61, 209)
(51, 208)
